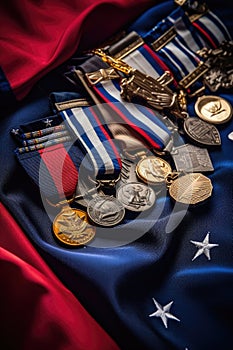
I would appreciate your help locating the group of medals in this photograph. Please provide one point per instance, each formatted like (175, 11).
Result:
(146, 175)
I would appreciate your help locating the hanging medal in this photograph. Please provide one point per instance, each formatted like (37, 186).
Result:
(50, 159)
(152, 170)
(94, 137)
(197, 130)
(190, 189)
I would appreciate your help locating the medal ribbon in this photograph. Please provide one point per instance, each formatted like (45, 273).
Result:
(52, 165)
(180, 53)
(141, 119)
(178, 57)
(95, 140)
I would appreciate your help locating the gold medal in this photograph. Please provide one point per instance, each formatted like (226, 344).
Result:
(71, 227)
(191, 188)
(153, 170)
(213, 109)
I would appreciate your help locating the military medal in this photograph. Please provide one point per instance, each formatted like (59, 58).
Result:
(213, 109)
(201, 132)
(153, 170)
(105, 210)
(142, 87)
(193, 188)
(190, 158)
(220, 63)
(71, 227)
(136, 196)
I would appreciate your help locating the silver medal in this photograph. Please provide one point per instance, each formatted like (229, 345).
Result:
(136, 196)
(105, 210)
(189, 158)
(202, 132)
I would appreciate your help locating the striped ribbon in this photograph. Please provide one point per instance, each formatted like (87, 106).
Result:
(148, 62)
(53, 165)
(212, 29)
(95, 140)
(178, 57)
(141, 119)
(179, 54)
(53, 169)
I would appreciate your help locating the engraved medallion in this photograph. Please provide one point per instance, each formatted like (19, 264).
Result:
(153, 170)
(71, 227)
(213, 109)
(189, 158)
(105, 210)
(191, 188)
(202, 132)
(136, 196)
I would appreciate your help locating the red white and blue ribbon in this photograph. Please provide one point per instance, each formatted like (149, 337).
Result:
(50, 159)
(95, 140)
(142, 120)
(180, 54)
(212, 29)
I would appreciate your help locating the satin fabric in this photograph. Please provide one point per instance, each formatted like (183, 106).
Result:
(116, 285)
(37, 36)
(37, 311)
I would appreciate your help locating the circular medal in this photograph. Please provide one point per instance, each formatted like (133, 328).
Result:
(191, 188)
(72, 228)
(105, 210)
(213, 109)
(153, 170)
(202, 132)
(136, 196)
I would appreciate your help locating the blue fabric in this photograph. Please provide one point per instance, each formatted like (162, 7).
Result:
(117, 285)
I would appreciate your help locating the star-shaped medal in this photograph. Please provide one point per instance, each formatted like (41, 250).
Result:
(163, 312)
(203, 247)
(48, 122)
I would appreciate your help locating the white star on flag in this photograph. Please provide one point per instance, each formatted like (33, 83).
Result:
(163, 312)
(203, 247)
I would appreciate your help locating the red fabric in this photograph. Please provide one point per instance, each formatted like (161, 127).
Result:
(36, 310)
(39, 35)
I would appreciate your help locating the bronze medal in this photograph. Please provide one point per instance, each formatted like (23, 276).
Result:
(136, 196)
(191, 188)
(201, 132)
(153, 170)
(71, 227)
(213, 109)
